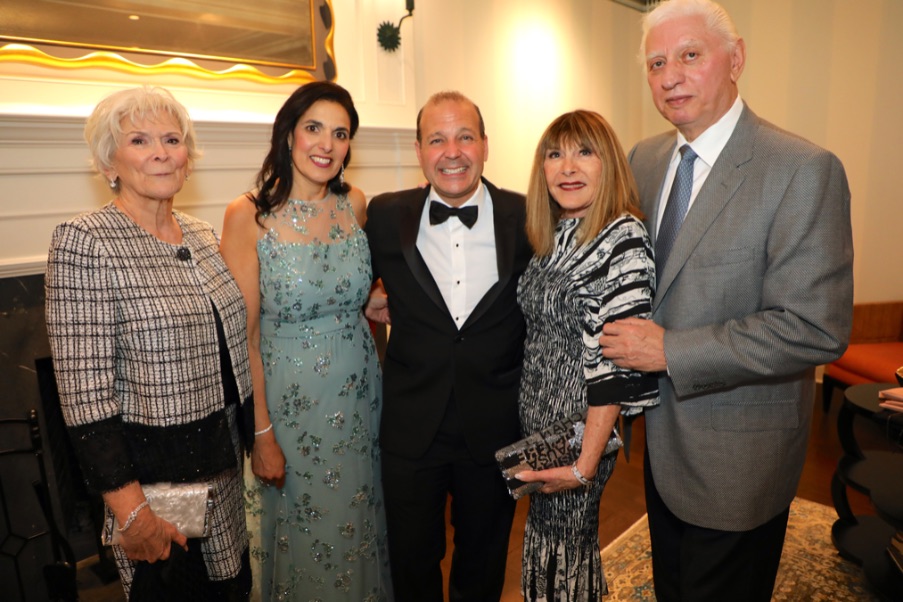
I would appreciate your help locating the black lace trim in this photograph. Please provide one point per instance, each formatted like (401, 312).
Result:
(103, 454)
(178, 453)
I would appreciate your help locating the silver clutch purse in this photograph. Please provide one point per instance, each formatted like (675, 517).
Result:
(188, 506)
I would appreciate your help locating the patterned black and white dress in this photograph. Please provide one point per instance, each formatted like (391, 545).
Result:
(566, 298)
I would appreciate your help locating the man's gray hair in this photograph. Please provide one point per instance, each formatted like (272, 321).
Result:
(716, 20)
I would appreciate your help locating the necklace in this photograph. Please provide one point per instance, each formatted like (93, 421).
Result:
(299, 212)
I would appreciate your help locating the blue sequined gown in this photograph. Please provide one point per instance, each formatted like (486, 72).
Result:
(323, 536)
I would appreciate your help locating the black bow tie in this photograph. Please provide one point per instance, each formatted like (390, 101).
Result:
(440, 212)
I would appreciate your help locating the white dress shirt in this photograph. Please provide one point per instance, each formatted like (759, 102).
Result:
(708, 147)
(462, 260)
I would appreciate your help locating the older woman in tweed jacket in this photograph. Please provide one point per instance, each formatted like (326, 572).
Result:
(147, 330)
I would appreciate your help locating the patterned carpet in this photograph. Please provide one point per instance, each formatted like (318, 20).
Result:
(811, 569)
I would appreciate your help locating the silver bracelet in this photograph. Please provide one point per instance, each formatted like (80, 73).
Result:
(266, 430)
(134, 514)
(583, 480)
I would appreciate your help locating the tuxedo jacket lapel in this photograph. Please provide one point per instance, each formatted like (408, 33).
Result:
(408, 229)
(719, 188)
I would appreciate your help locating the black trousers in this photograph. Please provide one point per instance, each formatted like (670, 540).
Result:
(416, 492)
(695, 564)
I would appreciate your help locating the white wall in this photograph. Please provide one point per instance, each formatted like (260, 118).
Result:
(381, 83)
(828, 70)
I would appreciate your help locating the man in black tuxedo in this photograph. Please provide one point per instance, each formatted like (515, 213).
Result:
(449, 257)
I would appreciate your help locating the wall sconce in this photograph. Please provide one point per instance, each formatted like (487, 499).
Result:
(389, 35)
(640, 5)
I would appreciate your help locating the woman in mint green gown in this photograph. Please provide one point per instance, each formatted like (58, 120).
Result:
(298, 252)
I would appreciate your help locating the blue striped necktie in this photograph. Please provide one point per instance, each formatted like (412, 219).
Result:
(676, 209)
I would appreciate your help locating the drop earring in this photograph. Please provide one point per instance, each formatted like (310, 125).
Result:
(342, 176)
(113, 184)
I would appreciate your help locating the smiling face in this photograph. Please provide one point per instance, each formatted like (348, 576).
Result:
(451, 151)
(151, 159)
(574, 176)
(692, 73)
(319, 142)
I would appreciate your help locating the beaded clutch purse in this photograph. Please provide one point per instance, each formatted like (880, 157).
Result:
(556, 445)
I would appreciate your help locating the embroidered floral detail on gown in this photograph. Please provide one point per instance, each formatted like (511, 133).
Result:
(323, 536)
(566, 298)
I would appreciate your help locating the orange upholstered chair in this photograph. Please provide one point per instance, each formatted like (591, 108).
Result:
(875, 351)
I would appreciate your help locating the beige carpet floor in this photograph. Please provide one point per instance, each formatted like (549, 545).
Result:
(811, 569)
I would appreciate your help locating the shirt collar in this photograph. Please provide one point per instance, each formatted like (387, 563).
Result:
(710, 143)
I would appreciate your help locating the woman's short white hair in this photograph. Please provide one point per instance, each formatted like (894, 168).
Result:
(716, 19)
(103, 130)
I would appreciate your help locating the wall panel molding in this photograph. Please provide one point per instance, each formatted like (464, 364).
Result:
(46, 176)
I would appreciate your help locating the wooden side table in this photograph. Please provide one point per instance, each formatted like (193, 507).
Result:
(879, 475)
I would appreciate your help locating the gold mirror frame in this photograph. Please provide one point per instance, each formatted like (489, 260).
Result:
(68, 55)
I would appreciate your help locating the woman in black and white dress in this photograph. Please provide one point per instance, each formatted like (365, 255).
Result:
(593, 263)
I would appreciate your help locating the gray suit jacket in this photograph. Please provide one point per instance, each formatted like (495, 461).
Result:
(757, 291)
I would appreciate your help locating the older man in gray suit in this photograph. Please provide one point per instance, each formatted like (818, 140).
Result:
(754, 290)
